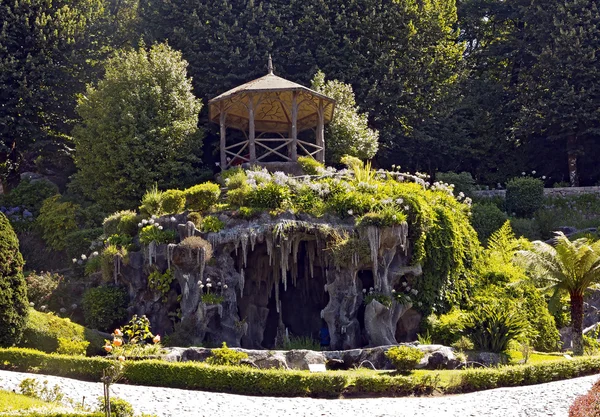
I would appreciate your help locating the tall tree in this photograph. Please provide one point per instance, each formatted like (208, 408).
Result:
(561, 90)
(139, 127)
(571, 267)
(47, 53)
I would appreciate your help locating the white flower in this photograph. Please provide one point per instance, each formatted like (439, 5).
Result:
(74, 260)
(404, 284)
(533, 172)
(399, 201)
(63, 310)
(144, 222)
(393, 166)
(95, 253)
(225, 286)
(350, 212)
(201, 285)
(209, 285)
(83, 257)
(364, 290)
(218, 164)
(153, 217)
(414, 291)
(31, 304)
(207, 279)
(151, 221)
(393, 291)
(419, 304)
(219, 283)
(140, 224)
(173, 219)
(73, 306)
(523, 173)
(543, 177)
(160, 227)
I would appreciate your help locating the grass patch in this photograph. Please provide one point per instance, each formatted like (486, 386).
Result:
(42, 331)
(9, 401)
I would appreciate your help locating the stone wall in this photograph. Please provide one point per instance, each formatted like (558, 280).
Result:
(549, 192)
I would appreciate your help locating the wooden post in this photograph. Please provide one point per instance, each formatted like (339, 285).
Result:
(223, 141)
(321, 132)
(294, 150)
(251, 130)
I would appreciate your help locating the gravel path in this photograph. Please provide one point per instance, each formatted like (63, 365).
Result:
(552, 399)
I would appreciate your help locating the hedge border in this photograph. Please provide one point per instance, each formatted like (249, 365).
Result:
(285, 383)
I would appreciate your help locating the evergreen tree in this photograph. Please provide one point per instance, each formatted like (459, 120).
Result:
(13, 289)
(139, 127)
(47, 52)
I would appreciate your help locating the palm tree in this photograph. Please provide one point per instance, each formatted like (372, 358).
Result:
(567, 267)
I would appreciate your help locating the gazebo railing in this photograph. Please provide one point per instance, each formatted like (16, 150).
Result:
(239, 152)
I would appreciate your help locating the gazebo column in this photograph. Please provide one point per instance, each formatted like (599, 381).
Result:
(294, 148)
(321, 132)
(251, 130)
(223, 139)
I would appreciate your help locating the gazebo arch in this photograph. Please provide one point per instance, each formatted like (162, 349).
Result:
(271, 111)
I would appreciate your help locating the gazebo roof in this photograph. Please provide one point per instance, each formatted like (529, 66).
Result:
(272, 102)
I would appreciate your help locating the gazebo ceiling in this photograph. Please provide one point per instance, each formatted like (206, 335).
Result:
(272, 99)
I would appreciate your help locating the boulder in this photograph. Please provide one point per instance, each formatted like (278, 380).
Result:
(300, 359)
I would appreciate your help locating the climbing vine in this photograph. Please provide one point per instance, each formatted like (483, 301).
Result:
(161, 282)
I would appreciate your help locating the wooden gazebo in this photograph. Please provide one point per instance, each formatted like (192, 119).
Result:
(271, 112)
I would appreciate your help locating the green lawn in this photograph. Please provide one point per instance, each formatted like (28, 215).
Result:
(9, 401)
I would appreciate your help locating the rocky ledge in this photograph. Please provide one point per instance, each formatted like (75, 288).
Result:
(436, 357)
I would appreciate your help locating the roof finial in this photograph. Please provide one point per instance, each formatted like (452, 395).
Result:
(270, 65)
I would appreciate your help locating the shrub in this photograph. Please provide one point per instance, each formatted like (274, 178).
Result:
(79, 241)
(13, 287)
(211, 224)
(31, 194)
(269, 195)
(524, 195)
(155, 233)
(118, 407)
(173, 201)
(387, 217)
(152, 202)
(310, 166)
(226, 356)
(57, 221)
(193, 243)
(32, 388)
(160, 282)
(195, 218)
(527, 228)
(72, 347)
(447, 328)
(43, 331)
(121, 222)
(404, 358)
(104, 307)
(492, 327)
(41, 286)
(486, 218)
(202, 197)
(463, 182)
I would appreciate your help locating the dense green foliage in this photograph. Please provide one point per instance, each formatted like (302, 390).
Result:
(57, 221)
(139, 127)
(524, 196)
(44, 331)
(348, 133)
(104, 307)
(226, 356)
(202, 197)
(13, 288)
(492, 327)
(569, 267)
(404, 358)
(486, 218)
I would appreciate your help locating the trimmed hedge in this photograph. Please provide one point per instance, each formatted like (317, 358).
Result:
(249, 381)
(59, 414)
